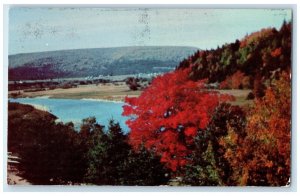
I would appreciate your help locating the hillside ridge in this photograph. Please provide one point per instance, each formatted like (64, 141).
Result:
(96, 61)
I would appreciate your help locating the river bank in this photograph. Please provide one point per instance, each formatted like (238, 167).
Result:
(109, 91)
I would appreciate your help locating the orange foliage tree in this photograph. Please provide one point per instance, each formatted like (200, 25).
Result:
(168, 114)
(277, 52)
(263, 156)
(238, 80)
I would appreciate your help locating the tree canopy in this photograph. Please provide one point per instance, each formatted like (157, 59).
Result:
(168, 114)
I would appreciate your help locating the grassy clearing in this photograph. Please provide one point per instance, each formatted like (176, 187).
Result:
(240, 96)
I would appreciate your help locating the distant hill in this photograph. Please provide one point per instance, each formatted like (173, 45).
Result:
(95, 62)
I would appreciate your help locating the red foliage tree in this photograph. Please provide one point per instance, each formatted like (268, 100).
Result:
(224, 84)
(277, 52)
(168, 114)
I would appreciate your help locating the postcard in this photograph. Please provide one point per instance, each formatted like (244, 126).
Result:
(149, 96)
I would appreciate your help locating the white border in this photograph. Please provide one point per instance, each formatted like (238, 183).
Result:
(210, 4)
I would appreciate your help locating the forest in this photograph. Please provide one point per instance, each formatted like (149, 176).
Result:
(180, 128)
(81, 63)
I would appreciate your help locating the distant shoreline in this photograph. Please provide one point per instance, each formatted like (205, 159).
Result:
(102, 100)
(83, 99)
(101, 92)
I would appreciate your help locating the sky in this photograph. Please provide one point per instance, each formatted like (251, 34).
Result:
(34, 29)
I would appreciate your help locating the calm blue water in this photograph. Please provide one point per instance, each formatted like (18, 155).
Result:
(75, 110)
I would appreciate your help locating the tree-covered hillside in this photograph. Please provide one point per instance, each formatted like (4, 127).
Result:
(258, 57)
(95, 62)
(198, 132)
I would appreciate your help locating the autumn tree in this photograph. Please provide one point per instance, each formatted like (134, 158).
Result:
(263, 53)
(263, 157)
(258, 87)
(168, 114)
(238, 80)
(133, 83)
(209, 165)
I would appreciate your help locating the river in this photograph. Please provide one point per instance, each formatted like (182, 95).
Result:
(75, 110)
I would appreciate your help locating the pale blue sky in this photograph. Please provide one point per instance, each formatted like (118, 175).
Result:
(45, 29)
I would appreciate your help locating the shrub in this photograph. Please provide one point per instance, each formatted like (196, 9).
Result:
(250, 96)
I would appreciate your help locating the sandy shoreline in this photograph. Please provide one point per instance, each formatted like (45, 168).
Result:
(102, 100)
(101, 92)
(40, 107)
(111, 93)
